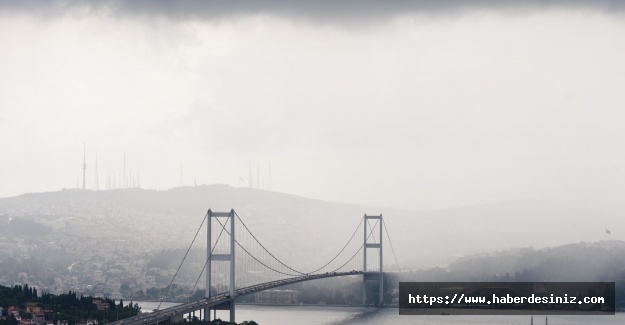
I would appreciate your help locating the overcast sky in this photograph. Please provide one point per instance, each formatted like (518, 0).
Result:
(412, 105)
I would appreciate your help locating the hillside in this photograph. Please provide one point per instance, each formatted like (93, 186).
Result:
(596, 261)
(602, 261)
(293, 226)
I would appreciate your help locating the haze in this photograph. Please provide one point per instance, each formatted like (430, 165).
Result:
(414, 106)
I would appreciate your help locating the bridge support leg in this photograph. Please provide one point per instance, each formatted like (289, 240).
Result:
(210, 257)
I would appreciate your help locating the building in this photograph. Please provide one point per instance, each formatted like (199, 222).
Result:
(39, 317)
(102, 306)
(13, 310)
(277, 297)
(32, 308)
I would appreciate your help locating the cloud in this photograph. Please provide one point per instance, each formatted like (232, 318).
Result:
(321, 10)
(457, 109)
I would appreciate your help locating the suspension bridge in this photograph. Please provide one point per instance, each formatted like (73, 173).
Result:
(238, 264)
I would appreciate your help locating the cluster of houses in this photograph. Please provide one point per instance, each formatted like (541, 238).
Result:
(39, 316)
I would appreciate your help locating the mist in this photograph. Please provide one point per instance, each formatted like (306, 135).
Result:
(428, 106)
(457, 120)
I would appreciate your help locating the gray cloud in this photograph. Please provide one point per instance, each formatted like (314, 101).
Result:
(320, 10)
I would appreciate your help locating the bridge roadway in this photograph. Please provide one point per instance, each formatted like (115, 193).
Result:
(175, 314)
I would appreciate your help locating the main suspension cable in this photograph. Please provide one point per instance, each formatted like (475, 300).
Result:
(257, 260)
(268, 252)
(389, 241)
(341, 251)
(183, 259)
(359, 249)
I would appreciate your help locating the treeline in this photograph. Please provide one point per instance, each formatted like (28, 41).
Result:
(17, 296)
(69, 306)
(74, 308)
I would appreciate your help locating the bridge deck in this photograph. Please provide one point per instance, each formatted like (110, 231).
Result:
(176, 312)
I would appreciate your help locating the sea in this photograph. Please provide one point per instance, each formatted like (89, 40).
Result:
(328, 315)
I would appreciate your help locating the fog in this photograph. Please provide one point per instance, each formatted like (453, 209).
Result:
(488, 133)
(415, 106)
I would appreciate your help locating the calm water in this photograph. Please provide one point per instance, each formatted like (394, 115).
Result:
(305, 315)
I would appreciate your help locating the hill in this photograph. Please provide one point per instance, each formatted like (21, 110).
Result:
(596, 261)
(602, 261)
(293, 226)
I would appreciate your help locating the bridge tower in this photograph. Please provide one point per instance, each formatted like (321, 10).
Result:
(210, 257)
(370, 243)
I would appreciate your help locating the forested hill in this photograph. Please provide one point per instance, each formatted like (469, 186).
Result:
(581, 262)
(597, 261)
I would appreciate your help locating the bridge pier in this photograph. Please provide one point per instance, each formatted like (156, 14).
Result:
(368, 231)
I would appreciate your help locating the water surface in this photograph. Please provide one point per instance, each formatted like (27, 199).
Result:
(326, 315)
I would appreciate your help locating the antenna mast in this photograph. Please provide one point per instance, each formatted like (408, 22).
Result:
(97, 183)
(84, 166)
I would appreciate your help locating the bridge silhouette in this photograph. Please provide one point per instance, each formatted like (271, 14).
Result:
(237, 264)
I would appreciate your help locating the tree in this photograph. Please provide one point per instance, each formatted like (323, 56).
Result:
(28, 293)
(12, 320)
